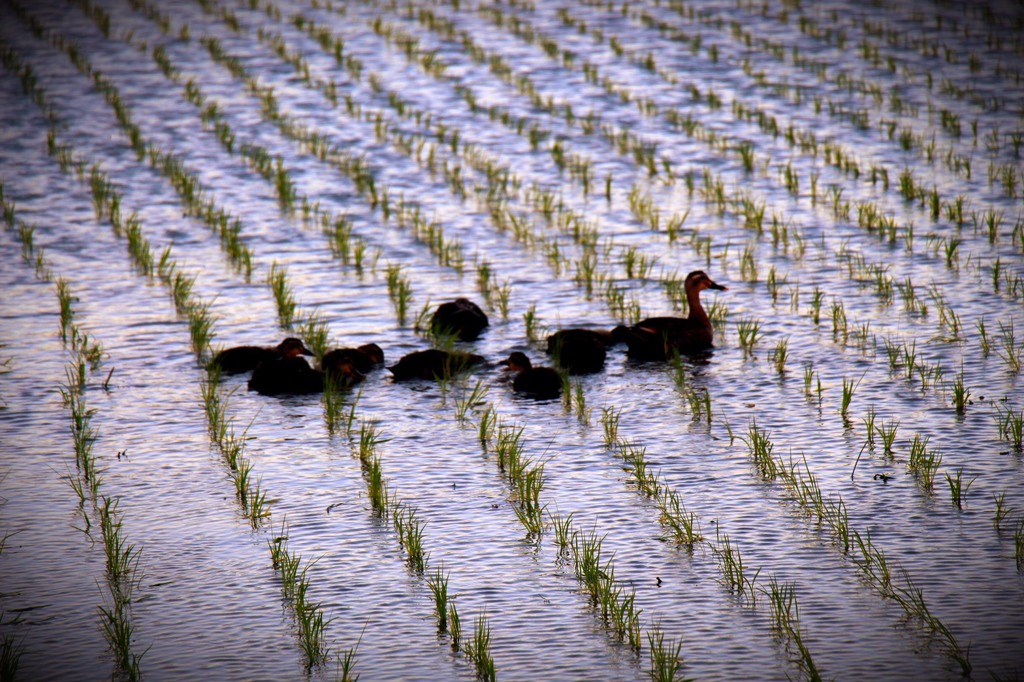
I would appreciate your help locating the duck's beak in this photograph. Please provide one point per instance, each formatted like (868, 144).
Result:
(717, 287)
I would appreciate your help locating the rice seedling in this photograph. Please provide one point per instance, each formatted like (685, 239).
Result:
(1010, 351)
(779, 355)
(438, 584)
(410, 536)
(961, 394)
(119, 631)
(313, 330)
(665, 660)
(478, 650)
(610, 417)
(470, 401)
(200, 327)
(454, 625)
(1011, 427)
(887, 432)
(761, 447)
(283, 295)
(67, 313)
(958, 487)
(684, 524)
(635, 457)
(1002, 510)
(347, 662)
(399, 290)
(749, 331)
(849, 387)
(333, 403)
(11, 651)
(564, 533)
(1018, 543)
(735, 575)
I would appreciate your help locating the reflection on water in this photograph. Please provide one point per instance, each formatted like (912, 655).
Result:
(571, 164)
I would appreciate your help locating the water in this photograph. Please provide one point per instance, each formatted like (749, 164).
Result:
(208, 599)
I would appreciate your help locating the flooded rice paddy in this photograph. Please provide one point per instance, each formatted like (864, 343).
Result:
(836, 491)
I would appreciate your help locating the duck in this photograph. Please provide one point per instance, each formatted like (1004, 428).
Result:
(535, 382)
(460, 318)
(433, 364)
(241, 359)
(349, 366)
(364, 358)
(659, 338)
(287, 375)
(580, 351)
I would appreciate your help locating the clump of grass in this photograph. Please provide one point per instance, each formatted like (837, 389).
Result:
(400, 291)
(610, 417)
(923, 463)
(478, 650)
(735, 574)
(665, 656)
(470, 401)
(958, 487)
(779, 356)
(761, 447)
(438, 584)
(283, 295)
(684, 524)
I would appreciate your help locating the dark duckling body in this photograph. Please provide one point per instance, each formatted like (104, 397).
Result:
(349, 366)
(659, 338)
(461, 318)
(580, 351)
(364, 358)
(241, 359)
(433, 364)
(290, 375)
(535, 382)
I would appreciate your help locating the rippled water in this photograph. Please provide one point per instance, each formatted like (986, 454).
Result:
(209, 601)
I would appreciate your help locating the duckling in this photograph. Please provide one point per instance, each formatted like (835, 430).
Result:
(242, 359)
(535, 382)
(342, 369)
(286, 375)
(461, 318)
(432, 363)
(580, 351)
(658, 338)
(364, 358)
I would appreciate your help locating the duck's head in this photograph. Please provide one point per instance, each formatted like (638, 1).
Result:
(698, 280)
(292, 347)
(517, 362)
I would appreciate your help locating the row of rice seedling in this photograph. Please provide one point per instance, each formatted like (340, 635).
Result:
(122, 557)
(251, 496)
(875, 567)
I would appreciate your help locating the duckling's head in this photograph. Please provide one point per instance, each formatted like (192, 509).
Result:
(292, 347)
(698, 280)
(517, 362)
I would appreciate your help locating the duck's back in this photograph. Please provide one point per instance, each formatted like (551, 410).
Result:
(538, 382)
(286, 376)
(242, 359)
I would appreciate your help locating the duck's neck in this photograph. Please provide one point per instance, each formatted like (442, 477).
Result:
(697, 313)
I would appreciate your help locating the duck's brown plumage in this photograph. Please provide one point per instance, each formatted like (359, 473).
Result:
(659, 338)
(433, 364)
(460, 318)
(349, 366)
(536, 382)
(288, 375)
(242, 359)
(580, 351)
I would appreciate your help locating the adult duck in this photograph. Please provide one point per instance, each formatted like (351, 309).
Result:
(535, 382)
(580, 351)
(433, 364)
(288, 375)
(460, 318)
(242, 359)
(659, 338)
